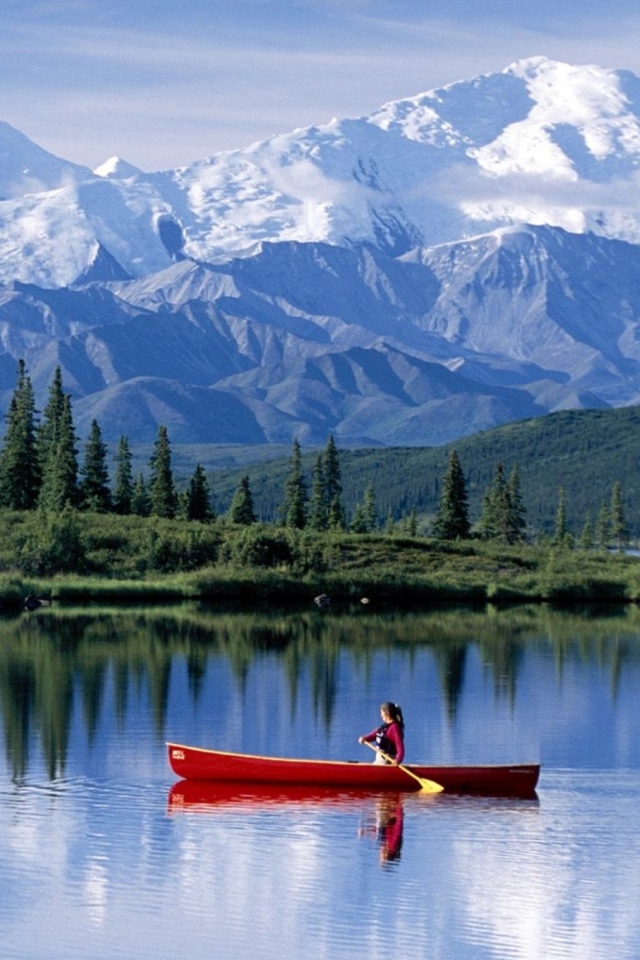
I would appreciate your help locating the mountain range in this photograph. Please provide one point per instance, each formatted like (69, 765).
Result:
(456, 260)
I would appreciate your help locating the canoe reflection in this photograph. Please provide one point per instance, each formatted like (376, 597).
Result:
(202, 795)
(381, 815)
(195, 796)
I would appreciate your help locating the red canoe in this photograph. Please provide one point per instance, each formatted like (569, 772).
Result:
(196, 763)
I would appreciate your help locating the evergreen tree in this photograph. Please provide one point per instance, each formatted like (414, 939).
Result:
(502, 509)
(52, 415)
(586, 537)
(389, 523)
(19, 467)
(241, 509)
(162, 494)
(60, 475)
(318, 502)
(370, 508)
(494, 521)
(517, 512)
(619, 528)
(94, 487)
(561, 534)
(603, 526)
(198, 505)
(358, 521)
(452, 520)
(295, 493)
(333, 481)
(140, 501)
(365, 517)
(123, 492)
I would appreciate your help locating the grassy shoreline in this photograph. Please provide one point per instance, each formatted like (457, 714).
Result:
(389, 571)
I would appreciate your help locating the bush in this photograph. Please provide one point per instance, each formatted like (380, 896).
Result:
(259, 547)
(52, 543)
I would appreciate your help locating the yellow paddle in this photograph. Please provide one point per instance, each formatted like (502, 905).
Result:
(426, 786)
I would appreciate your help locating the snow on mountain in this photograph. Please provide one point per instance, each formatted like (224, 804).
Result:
(541, 142)
(302, 339)
(27, 168)
(456, 260)
(117, 169)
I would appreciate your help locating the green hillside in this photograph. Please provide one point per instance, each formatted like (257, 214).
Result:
(584, 451)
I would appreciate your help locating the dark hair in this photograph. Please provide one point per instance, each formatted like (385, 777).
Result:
(395, 712)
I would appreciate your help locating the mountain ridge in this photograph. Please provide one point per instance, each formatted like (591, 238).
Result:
(307, 339)
(455, 260)
(539, 142)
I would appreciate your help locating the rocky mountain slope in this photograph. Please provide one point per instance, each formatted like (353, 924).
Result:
(454, 261)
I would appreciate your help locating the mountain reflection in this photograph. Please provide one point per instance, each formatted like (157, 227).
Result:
(63, 666)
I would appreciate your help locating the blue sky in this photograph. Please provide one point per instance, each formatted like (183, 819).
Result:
(164, 83)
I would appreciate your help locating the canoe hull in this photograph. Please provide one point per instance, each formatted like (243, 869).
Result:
(197, 763)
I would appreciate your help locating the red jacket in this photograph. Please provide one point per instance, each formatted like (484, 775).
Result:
(393, 733)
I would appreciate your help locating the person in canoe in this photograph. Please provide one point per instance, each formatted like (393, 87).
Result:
(388, 738)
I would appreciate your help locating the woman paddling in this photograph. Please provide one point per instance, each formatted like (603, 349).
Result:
(389, 736)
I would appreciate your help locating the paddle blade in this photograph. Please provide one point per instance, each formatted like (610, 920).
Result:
(430, 786)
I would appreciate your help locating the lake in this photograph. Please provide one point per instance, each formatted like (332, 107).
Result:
(104, 855)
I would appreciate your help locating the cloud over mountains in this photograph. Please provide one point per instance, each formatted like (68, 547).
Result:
(455, 260)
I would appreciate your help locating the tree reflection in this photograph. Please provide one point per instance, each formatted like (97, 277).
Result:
(58, 659)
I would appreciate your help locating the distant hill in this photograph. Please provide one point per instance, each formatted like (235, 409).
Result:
(584, 451)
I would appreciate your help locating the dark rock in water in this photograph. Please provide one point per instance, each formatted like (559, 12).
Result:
(32, 603)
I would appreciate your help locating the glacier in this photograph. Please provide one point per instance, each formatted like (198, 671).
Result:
(455, 260)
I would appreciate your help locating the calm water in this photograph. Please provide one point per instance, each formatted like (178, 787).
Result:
(104, 855)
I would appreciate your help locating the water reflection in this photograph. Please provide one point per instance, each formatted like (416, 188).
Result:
(57, 666)
(388, 828)
(103, 854)
(381, 816)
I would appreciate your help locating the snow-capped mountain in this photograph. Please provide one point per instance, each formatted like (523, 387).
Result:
(455, 260)
(302, 339)
(542, 142)
(26, 168)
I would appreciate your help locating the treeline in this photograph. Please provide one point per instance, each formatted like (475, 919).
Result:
(40, 466)
(41, 469)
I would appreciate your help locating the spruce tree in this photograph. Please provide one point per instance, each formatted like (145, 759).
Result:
(561, 534)
(494, 521)
(603, 526)
(503, 513)
(619, 528)
(199, 497)
(60, 474)
(358, 521)
(294, 509)
(52, 415)
(140, 501)
(452, 520)
(19, 466)
(333, 481)
(95, 494)
(318, 503)
(365, 517)
(389, 523)
(586, 537)
(162, 494)
(123, 492)
(370, 508)
(241, 510)
(517, 512)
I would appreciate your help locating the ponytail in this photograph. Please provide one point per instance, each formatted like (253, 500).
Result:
(395, 712)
